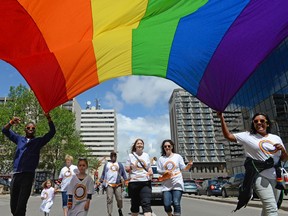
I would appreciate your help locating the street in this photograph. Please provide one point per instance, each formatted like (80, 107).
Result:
(190, 206)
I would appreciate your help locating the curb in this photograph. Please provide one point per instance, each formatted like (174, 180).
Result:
(257, 203)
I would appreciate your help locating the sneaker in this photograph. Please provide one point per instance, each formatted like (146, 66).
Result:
(120, 212)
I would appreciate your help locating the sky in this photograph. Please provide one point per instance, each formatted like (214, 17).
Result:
(140, 102)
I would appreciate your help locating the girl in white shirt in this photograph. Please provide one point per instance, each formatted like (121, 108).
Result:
(170, 165)
(80, 191)
(47, 195)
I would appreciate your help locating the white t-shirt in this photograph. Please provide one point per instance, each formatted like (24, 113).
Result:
(48, 194)
(261, 148)
(79, 189)
(66, 174)
(174, 163)
(139, 174)
(111, 173)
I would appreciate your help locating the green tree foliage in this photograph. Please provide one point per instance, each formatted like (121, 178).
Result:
(65, 141)
(7, 148)
(23, 103)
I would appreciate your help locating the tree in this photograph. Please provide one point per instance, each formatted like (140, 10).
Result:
(23, 103)
(7, 149)
(17, 103)
(65, 141)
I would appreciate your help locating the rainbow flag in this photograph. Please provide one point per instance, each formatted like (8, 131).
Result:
(210, 48)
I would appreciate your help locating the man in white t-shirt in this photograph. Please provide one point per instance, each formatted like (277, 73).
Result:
(65, 177)
(111, 177)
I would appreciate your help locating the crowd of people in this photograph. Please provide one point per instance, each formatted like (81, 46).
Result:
(264, 152)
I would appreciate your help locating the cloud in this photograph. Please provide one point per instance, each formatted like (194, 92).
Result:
(111, 100)
(152, 130)
(145, 90)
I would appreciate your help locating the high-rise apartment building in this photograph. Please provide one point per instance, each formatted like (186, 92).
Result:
(99, 131)
(193, 131)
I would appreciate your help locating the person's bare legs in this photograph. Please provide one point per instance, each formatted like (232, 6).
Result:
(147, 214)
(65, 211)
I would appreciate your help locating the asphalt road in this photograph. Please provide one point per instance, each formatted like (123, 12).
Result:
(190, 207)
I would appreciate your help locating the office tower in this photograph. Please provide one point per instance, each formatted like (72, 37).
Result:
(193, 131)
(99, 131)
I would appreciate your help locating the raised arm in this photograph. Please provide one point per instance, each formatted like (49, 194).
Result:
(48, 136)
(14, 120)
(9, 133)
(229, 136)
(189, 165)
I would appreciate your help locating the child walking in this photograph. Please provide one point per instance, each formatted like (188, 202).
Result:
(80, 191)
(47, 195)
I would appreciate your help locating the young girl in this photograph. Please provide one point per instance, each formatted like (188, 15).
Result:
(80, 191)
(47, 195)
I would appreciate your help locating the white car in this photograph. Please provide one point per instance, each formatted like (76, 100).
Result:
(156, 191)
(156, 186)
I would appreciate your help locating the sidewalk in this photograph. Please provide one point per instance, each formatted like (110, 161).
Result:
(234, 200)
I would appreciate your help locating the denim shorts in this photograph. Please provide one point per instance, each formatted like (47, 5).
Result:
(64, 199)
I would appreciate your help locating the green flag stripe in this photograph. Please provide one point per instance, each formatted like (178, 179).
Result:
(154, 36)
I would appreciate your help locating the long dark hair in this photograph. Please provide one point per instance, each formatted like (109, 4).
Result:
(269, 123)
(133, 148)
(163, 153)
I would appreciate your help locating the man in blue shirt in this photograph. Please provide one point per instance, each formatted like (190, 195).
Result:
(26, 160)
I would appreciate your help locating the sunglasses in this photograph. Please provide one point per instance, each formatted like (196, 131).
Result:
(255, 121)
(30, 128)
(167, 146)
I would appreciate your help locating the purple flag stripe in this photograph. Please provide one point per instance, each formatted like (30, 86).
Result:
(261, 26)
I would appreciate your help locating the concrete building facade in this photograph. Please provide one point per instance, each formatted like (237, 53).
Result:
(73, 106)
(98, 131)
(193, 131)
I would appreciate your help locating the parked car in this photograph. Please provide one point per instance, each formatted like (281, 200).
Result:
(210, 187)
(156, 191)
(5, 185)
(190, 187)
(156, 186)
(231, 187)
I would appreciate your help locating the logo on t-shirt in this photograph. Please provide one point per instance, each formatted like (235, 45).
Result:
(267, 147)
(138, 164)
(45, 195)
(67, 173)
(169, 165)
(114, 168)
(80, 192)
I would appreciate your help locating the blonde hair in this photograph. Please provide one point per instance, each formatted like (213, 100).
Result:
(68, 157)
